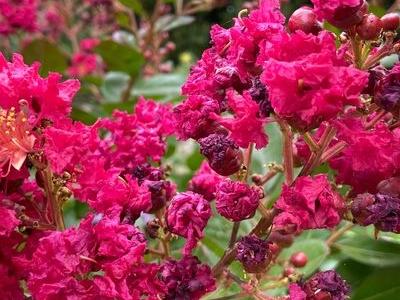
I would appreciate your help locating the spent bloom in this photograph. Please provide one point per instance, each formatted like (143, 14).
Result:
(323, 285)
(236, 200)
(187, 216)
(309, 203)
(253, 253)
(387, 91)
(186, 279)
(381, 210)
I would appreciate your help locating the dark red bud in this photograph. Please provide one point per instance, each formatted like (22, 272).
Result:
(390, 22)
(370, 27)
(289, 271)
(299, 259)
(345, 17)
(304, 19)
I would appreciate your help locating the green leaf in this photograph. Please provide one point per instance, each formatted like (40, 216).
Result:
(114, 85)
(316, 251)
(119, 57)
(161, 86)
(135, 5)
(169, 22)
(353, 272)
(369, 251)
(383, 284)
(52, 59)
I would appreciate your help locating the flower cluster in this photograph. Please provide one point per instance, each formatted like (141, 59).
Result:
(336, 110)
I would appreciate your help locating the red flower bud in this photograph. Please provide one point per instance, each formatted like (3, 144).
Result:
(390, 22)
(299, 259)
(304, 19)
(370, 27)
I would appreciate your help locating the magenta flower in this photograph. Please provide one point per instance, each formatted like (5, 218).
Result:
(187, 216)
(236, 200)
(310, 203)
(307, 81)
(246, 127)
(18, 15)
(205, 182)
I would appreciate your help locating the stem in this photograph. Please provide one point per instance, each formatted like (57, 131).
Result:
(357, 49)
(230, 297)
(55, 207)
(333, 151)
(235, 230)
(127, 93)
(337, 234)
(380, 114)
(247, 160)
(310, 142)
(287, 151)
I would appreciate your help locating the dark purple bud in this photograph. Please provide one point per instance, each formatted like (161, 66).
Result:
(152, 228)
(375, 75)
(161, 192)
(387, 91)
(259, 94)
(186, 279)
(147, 171)
(253, 253)
(223, 155)
(326, 286)
(370, 27)
(381, 210)
(304, 19)
(390, 21)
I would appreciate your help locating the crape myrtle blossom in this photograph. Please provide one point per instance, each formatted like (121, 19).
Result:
(310, 203)
(17, 15)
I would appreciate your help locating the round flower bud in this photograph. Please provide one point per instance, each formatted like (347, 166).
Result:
(381, 210)
(390, 22)
(299, 259)
(370, 27)
(326, 285)
(236, 200)
(187, 216)
(304, 19)
(253, 253)
(186, 279)
(223, 155)
(387, 91)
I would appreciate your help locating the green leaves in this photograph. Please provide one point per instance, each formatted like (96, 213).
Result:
(119, 57)
(369, 251)
(48, 54)
(383, 284)
(135, 5)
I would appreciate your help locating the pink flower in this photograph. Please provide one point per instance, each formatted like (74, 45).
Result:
(187, 216)
(96, 260)
(136, 138)
(89, 44)
(236, 200)
(47, 98)
(205, 182)
(17, 15)
(307, 81)
(246, 127)
(9, 221)
(9, 284)
(310, 203)
(16, 140)
(83, 64)
(193, 117)
(370, 156)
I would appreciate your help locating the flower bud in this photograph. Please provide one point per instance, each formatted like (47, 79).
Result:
(253, 253)
(299, 259)
(381, 210)
(345, 16)
(370, 27)
(390, 22)
(387, 91)
(223, 155)
(304, 19)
